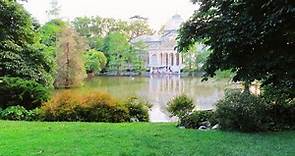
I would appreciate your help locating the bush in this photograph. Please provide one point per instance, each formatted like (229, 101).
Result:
(63, 106)
(197, 119)
(26, 93)
(19, 113)
(180, 106)
(102, 107)
(282, 106)
(138, 109)
(242, 111)
(34, 115)
(95, 107)
(282, 116)
(14, 113)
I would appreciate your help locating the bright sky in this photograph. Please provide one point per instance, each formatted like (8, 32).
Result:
(157, 11)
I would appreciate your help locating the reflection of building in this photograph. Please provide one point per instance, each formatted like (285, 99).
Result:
(163, 84)
(162, 56)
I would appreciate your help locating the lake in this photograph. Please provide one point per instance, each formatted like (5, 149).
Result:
(158, 90)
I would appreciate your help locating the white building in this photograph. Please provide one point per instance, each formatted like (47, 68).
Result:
(162, 56)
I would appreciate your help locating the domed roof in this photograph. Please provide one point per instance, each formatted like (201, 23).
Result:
(174, 23)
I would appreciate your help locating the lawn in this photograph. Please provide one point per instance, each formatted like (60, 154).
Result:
(41, 138)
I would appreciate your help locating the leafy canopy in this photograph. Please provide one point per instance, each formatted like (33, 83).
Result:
(95, 61)
(254, 39)
(21, 53)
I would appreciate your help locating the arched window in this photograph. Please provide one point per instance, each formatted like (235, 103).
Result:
(154, 60)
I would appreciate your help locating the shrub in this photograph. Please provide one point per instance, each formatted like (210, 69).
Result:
(63, 106)
(14, 113)
(26, 93)
(197, 119)
(180, 106)
(138, 109)
(242, 111)
(282, 106)
(19, 113)
(34, 115)
(95, 107)
(102, 107)
(282, 116)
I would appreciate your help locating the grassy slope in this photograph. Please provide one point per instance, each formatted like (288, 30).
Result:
(35, 138)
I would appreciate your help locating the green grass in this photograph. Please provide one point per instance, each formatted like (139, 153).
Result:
(37, 138)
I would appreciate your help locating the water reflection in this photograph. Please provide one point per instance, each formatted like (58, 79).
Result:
(158, 90)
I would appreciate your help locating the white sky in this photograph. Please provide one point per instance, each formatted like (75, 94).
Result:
(157, 11)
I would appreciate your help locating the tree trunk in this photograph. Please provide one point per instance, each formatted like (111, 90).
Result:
(247, 85)
(67, 83)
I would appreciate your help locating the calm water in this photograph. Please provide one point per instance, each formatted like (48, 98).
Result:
(158, 90)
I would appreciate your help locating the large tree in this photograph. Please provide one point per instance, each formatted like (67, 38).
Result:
(70, 65)
(122, 55)
(253, 38)
(116, 47)
(21, 54)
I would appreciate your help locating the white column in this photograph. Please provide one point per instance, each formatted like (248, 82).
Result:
(175, 58)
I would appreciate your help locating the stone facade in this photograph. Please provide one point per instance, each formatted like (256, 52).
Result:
(161, 56)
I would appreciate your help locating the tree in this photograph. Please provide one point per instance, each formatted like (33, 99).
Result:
(54, 10)
(135, 56)
(48, 32)
(95, 61)
(70, 71)
(21, 53)
(137, 28)
(254, 39)
(116, 47)
(122, 55)
(97, 27)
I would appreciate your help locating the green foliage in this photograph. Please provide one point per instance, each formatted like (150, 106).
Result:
(21, 54)
(282, 111)
(138, 109)
(197, 119)
(220, 75)
(195, 57)
(282, 116)
(49, 32)
(96, 27)
(26, 93)
(116, 47)
(16, 24)
(113, 38)
(95, 61)
(242, 111)
(134, 57)
(180, 106)
(254, 39)
(19, 113)
(14, 113)
(122, 55)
